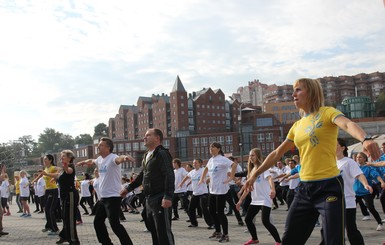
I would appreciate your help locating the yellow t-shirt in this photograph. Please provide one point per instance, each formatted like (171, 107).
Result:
(50, 183)
(17, 186)
(315, 136)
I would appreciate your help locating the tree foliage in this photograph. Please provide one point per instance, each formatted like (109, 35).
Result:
(52, 141)
(380, 105)
(83, 139)
(101, 130)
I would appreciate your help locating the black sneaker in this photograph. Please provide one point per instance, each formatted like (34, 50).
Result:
(61, 240)
(216, 235)
(193, 225)
(224, 238)
(175, 218)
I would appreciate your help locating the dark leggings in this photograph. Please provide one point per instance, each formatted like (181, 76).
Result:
(370, 205)
(252, 211)
(217, 211)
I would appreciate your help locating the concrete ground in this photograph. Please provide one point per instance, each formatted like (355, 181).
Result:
(27, 231)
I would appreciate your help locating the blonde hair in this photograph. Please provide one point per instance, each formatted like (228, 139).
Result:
(315, 95)
(250, 164)
(69, 154)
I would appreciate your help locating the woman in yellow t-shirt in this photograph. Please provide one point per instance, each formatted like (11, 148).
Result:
(17, 191)
(51, 196)
(321, 188)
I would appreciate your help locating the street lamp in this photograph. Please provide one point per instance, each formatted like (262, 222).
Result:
(240, 128)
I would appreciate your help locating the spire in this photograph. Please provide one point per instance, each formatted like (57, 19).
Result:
(178, 86)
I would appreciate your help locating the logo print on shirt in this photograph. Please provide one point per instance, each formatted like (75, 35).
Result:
(311, 129)
(103, 169)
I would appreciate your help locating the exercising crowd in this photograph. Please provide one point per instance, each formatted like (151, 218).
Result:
(322, 184)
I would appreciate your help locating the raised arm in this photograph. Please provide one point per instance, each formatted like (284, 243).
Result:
(270, 160)
(358, 133)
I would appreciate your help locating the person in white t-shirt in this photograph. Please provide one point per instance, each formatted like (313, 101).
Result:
(86, 193)
(199, 195)
(180, 190)
(217, 167)
(350, 171)
(110, 186)
(24, 194)
(2, 177)
(261, 195)
(4, 190)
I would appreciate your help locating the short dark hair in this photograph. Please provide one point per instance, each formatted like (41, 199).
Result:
(51, 158)
(109, 142)
(177, 161)
(158, 133)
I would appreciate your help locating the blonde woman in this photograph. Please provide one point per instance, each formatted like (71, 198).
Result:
(320, 191)
(261, 199)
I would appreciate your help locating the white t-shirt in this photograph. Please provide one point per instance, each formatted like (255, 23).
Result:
(180, 173)
(238, 170)
(95, 184)
(349, 171)
(261, 193)
(274, 173)
(293, 183)
(85, 188)
(24, 187)
(40, 187)
(195, 176)
(284, 170)
(4, 189)
(110, 176)
(217, 169)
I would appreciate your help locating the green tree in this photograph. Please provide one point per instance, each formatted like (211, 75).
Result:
(52, 141)
(83, 139)
(380, 105)
(101, 130)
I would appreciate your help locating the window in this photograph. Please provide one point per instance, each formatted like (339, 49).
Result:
(260, 137)
(204, 141)
(264, 122)
(269, 136)
(229, 139)
(221, 139)
(195, 142)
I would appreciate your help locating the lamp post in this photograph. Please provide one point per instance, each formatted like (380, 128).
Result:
(240, 132)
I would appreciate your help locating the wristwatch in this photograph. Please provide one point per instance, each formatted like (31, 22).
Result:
(367, 137)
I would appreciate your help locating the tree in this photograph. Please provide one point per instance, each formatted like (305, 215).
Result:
(83, 139)
(101, 130)
(29, 145)
(52, 141)
(380, 105)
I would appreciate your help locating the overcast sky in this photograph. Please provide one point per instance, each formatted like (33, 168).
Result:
(69, 65)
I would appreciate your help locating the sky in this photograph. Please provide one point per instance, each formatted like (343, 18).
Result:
(69, 65)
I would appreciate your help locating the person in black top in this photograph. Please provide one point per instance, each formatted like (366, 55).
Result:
(69, 198)
(157, 178)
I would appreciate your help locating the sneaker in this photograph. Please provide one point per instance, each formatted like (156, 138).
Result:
(175, 218)
(40, 212)
(365, 218)
(53, 233)
(380, 227)
(224, 238)
(23, 215)
(241, 223)
(193, 225)
(145, 230)
(79, 222)
(27, 216)
(3, 233)
(383, 221)
(19, 212)
(61, 241)
(216, 235)
(210, 227)
(251, 241)
(45, 230)
(36, 211)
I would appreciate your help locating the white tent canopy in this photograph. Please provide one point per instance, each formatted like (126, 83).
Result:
(355, 148)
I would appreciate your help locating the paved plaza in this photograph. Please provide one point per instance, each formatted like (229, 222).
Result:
(27, 231)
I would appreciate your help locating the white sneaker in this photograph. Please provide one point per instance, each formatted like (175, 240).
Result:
(365, 218)
(383, 221)
(380, 228)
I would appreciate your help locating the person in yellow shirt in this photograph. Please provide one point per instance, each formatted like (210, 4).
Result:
(321, 188)
(17, 191)
(51, 195)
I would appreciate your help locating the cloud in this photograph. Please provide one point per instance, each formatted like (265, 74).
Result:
(69, 65)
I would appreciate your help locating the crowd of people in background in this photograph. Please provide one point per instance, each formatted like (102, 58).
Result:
(321, 184)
